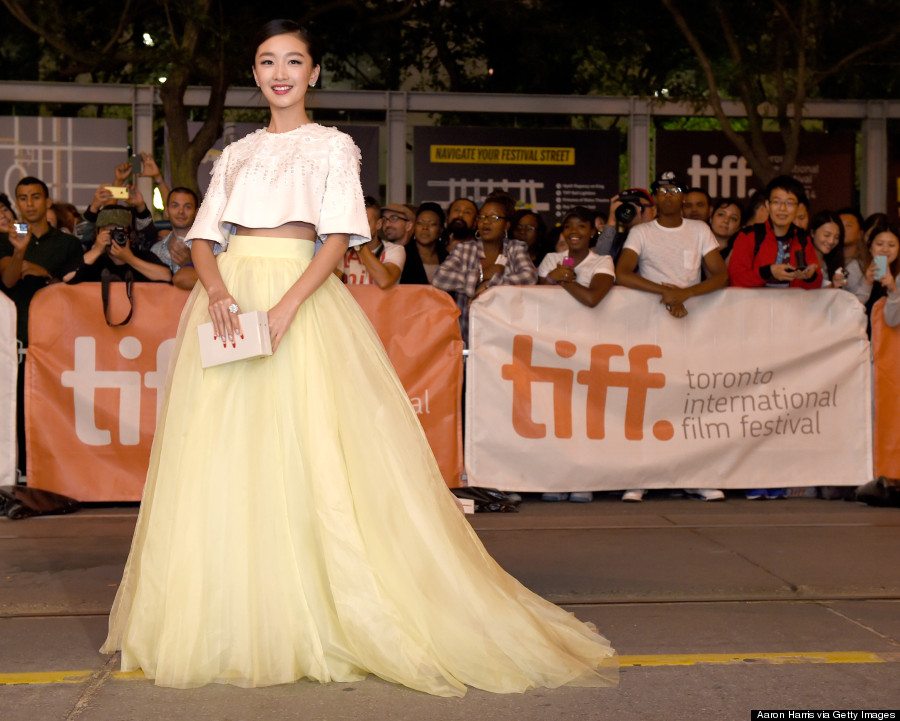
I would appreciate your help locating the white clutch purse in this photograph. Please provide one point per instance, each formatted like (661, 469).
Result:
(256, 342)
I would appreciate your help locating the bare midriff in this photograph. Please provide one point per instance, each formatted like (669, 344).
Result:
(294, 229)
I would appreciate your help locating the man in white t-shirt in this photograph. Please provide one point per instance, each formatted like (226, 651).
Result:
(665, 257)
(671, 251)
(377, 262)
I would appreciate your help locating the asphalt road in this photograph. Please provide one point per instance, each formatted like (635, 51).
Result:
(714, 608)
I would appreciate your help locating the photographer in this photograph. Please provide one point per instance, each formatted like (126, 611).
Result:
(628, 209)
(112, 250)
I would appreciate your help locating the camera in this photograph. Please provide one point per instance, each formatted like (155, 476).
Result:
(119, 235)
(630, 207)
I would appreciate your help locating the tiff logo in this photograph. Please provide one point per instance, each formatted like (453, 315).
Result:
(598, 378)
(718, 177)
(85, 379)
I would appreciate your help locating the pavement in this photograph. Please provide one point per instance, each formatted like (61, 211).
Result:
(714, 608)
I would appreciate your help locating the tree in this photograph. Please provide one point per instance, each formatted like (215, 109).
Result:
(188, 42)
(775, 56)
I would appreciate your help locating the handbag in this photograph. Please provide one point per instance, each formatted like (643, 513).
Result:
(256, 342)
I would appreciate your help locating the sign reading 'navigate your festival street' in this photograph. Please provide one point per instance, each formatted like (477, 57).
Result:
(549, 171)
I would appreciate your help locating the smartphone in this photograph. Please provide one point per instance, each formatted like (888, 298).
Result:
(117, 191)
(136, 166)
(21, 228)
(880, 266)
(568, 262)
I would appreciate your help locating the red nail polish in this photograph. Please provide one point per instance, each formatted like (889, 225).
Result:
(242, 336)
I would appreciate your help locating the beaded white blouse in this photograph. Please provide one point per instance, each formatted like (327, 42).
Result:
(263, 180)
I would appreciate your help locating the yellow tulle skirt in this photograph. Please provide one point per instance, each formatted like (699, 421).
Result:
(295, 524)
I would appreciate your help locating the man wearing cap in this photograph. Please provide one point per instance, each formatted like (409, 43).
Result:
(672, 251)
(380, 262)
(397, 223)
(112, 250)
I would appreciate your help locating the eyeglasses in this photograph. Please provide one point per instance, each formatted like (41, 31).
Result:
(526, 228)
(393, 218)
(491, 218)
(669, 190)
(783, 203)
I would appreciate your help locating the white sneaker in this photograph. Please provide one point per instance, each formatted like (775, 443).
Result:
(634, 496)
(706, 494)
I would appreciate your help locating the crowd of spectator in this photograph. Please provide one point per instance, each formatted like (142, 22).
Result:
(671, 240)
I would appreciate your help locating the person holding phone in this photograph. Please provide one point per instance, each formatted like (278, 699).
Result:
(873, 273)
(776, 253)
(295, 523)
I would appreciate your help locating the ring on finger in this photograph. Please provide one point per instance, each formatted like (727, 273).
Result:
(233, 309)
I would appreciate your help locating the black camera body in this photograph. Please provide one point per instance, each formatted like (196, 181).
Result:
(630, 208)
(120, 235)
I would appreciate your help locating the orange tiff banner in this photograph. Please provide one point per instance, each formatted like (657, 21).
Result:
(886, 351)
(92, 392)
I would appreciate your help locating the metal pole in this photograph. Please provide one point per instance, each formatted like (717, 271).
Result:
(874, 176)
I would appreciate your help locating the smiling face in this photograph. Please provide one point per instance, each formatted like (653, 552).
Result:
(782, 205)
(284, 70)
(887, 244)
(577, 233)
(826, 237)
(181, 210)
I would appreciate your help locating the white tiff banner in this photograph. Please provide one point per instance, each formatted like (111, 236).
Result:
(752, 389)
(9, 368)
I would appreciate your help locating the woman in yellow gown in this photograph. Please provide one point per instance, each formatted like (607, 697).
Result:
(294, 522)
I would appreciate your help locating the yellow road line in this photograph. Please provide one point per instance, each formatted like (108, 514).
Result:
(38, 678)
(776, 659)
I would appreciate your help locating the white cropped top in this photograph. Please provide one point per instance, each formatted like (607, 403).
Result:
(263, 180)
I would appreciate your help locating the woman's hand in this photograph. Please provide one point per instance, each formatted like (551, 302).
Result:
(562, 274)
(226, 325)
(889, 282)
(281, 315)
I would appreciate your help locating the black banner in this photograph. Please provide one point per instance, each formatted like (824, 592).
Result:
(708, 160)
(548, 171)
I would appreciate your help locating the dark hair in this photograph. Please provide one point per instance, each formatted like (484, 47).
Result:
(501, 197)
(4, 201)
(67, 215)
(702, 192)
(788, 184)
(580, 212)
(851, 211)
(542, 244)
(434, 208)
(187, 191)
(834, 259)
(754, 203)
(882, 224)
(31, 180)
(467, 200)
(724, 203)
(280, 26)
(874, 219)
(371, 202)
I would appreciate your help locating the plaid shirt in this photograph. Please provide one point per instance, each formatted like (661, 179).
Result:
(461, 273)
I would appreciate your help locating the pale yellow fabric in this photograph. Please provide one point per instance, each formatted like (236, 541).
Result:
(295, 524)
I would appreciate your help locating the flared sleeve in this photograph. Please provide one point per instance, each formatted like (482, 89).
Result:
(208, 224)
(343, 209)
